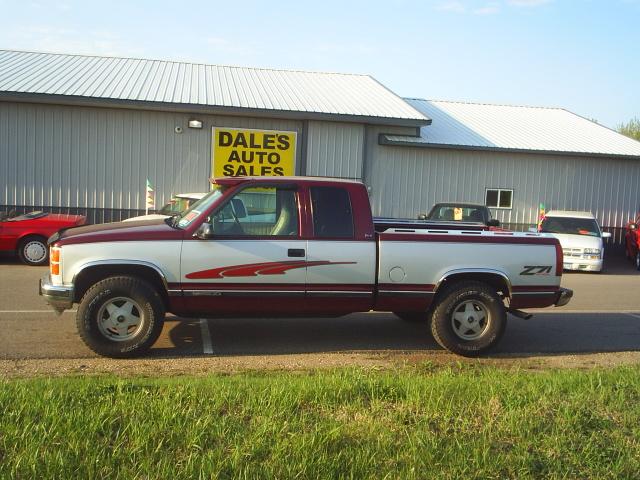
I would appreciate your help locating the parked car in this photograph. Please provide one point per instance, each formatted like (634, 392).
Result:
(178, 203)
(461, 212)
(27, 234)
(580, 237)
(295, 246)
(632, 241)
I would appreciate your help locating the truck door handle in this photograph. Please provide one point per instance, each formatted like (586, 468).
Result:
(296, 252)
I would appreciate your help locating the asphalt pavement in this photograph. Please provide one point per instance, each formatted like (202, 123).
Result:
(603, 316)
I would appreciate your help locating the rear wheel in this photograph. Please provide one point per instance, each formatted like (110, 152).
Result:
(33, 251)
(469, 319)
(120, 317)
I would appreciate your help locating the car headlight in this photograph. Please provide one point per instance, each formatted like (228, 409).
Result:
(591, 253)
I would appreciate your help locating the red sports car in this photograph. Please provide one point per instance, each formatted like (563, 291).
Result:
(27, 234)
(632, 241)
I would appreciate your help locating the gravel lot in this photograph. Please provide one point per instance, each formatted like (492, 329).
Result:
(601, 326)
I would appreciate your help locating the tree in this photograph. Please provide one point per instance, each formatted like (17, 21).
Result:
(631, 128)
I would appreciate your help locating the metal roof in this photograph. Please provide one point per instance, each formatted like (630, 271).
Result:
(81, 79)
(513, 128)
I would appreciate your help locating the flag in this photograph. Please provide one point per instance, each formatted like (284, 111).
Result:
(150, 196)
(541, 214)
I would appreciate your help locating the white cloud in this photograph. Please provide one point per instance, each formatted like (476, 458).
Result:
(469, 7)
(452, 6)
(528, 3)
(490, 8)
(65, 40)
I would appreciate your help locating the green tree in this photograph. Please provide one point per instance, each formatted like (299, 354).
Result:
(631, 128)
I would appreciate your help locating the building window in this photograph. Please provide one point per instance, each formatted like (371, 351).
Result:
(499, 198)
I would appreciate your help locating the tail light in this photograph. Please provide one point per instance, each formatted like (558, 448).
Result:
(54, 260)
(559, 259)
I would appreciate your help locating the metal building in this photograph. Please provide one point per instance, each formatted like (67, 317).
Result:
(84, 133)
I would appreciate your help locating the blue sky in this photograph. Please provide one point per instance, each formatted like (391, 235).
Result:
(583, 55)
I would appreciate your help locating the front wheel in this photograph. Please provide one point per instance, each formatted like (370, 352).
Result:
(33, 251)
(120, 317)
(469, 319)
(638, 260)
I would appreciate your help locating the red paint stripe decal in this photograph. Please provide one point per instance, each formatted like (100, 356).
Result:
(255, 269)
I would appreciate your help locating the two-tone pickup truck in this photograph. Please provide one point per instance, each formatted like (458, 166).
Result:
(295, 246)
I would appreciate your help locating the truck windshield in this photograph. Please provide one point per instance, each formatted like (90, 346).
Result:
(184, 219)
(571, 226)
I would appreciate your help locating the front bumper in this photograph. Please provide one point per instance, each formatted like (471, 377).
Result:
(583, 265)
(563, 297)
(60, 297)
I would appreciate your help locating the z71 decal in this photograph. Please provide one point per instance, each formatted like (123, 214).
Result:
(536, 270)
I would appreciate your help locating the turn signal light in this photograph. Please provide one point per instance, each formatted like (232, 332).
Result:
(54, 261)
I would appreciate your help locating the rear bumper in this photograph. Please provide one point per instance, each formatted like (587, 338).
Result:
(60, 297)
(563, 297)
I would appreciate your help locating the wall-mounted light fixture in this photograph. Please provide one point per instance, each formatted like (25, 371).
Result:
(195, 124)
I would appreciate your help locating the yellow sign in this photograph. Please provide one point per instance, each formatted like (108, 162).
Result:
(243, 152)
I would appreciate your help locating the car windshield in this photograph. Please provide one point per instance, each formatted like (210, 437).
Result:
(29, 216)
(571, 226)
(458, 213)
(184, 219)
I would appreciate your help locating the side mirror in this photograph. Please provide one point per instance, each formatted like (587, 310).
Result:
(493, 223)
(606, 234)
(205, 231)
(533, 230)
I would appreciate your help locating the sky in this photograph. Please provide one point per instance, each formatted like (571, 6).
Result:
(582, 55)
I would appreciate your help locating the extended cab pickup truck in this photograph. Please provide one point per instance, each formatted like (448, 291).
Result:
(295, 246)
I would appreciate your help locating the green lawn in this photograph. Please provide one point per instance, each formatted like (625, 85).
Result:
(460, 422)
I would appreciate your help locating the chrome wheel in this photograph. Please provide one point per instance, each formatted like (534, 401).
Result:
(120, 319)
(34, 251)
(470, 320)
(638, 261)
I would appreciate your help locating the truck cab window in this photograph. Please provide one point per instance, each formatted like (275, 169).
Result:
(257, 212)
(332, 214)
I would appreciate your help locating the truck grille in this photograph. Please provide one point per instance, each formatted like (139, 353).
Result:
(572, 252)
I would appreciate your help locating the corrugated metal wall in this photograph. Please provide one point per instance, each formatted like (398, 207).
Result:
(406, 181)
(335, 149)
(68, 156)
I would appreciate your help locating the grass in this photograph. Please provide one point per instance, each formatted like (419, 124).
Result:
(463, 422)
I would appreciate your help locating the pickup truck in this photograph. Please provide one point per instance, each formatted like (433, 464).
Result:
(295, 246)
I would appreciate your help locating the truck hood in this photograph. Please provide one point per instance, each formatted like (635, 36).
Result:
(146, 230)
(577, 241)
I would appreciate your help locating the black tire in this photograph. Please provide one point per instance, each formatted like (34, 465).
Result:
(97, 323)
(638, 260)
(483, 302)
(33, 251)
(412, 317)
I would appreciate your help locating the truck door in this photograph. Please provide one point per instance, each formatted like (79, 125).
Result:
(254, 261)
(341, 260)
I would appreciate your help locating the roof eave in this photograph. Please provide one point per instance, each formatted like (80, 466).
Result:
(208, 109)
(384, 140)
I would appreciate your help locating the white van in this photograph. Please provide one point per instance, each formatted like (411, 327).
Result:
(580, 237)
